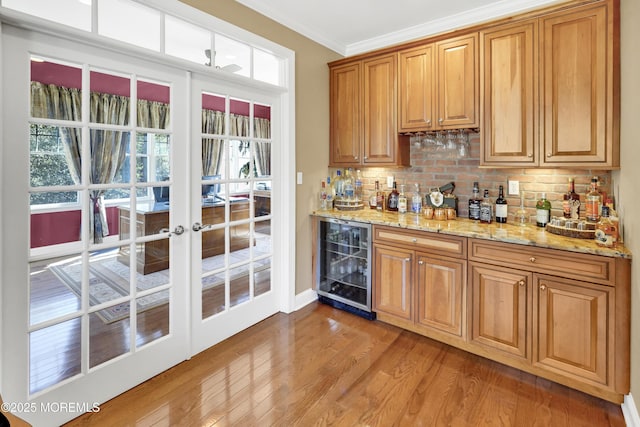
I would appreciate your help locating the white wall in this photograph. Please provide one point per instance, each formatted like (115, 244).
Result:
(629, 175)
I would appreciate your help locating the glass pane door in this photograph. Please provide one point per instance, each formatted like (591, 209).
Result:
(103, 248)
(232, 212)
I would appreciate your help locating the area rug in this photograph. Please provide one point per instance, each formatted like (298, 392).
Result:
(109, 279)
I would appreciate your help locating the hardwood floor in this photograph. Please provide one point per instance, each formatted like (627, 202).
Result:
(322, 366)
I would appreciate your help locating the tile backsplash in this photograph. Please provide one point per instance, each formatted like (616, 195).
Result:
(429, 173)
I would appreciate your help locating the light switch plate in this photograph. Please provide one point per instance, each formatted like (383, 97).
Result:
(390, 181)
(514, 188)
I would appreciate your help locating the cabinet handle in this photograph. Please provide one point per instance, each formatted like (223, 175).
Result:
(532, 259)
(543, 287)
(521, 283)
(407, 259)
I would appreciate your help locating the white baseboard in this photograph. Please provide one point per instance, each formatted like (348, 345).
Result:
(630, 411)
(305, 298)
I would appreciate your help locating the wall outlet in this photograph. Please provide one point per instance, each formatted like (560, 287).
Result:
(390, 181)
(514, 188)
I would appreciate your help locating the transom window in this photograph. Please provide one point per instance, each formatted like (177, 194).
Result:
(161, 32)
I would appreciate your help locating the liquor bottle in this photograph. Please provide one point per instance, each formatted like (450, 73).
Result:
(379, 197)
(543, 211)
(348, 185)
(501, 206)
(331, 194)
(606, 230)
(359, 192)
(486, 209)
(392, 199)
(323, 197)
(338, 189)
(402, 200)
(474, 203)
(593, 202)
(416, 199)
(571, 202)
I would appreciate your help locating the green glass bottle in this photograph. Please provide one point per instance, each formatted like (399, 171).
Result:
(543, 211)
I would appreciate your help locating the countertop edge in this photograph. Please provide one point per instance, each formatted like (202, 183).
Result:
(527, 235)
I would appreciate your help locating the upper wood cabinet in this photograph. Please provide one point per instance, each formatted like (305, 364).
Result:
(363, 114)
(439, 85)
(579, 61)
(550, 90)
(509, 89)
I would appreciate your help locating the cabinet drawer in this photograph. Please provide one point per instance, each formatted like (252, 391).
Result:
(422, 240)
(592, 268)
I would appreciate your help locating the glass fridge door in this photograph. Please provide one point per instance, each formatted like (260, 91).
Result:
(344, 260)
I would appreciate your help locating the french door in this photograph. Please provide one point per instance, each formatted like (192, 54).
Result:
(135, 234)
(233, 142)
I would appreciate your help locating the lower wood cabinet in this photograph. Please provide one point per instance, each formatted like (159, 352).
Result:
(573, 324)
(538, 310)
(421, 288)
(501, 309)
(561, 315)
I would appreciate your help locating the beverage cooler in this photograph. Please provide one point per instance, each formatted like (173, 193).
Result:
(344, 265)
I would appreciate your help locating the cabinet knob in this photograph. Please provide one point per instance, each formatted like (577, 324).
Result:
(543, 287)
(420, 262)
(548, 154)
(440, 120)
(414, 240)
(355, 157)
(529, 154)
(429, 122)
(365, 157)
(532, 259)
(521, 282)
(407, 259)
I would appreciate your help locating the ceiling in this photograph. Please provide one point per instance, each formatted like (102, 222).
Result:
(350, 27)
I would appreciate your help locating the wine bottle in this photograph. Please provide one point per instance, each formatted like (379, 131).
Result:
(501, 206)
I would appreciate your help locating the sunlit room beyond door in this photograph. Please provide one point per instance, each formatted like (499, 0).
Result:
(231, 206)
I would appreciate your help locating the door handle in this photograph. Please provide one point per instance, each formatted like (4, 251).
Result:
(177, 231)
(198, 227)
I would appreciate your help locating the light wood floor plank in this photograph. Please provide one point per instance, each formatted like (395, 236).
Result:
(325, 367)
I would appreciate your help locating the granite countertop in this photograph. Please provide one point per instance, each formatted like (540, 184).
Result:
(529, 234)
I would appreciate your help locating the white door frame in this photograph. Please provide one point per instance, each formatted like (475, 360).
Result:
(16, 254)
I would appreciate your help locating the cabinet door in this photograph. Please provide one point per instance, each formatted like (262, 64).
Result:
(572, 321)
(345, 116)
(417, 88)
(577, 70)
(392, 281)
(458, 89)
(440, 284)
(499, 309)
(380, 136)
(509, 76)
